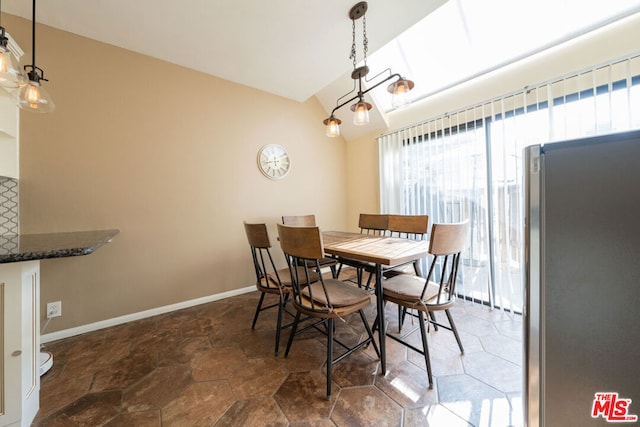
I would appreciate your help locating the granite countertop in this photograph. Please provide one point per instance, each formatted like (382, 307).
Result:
(28, 247)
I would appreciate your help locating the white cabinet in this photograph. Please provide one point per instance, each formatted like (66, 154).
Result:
(20, 330)
(19, 298)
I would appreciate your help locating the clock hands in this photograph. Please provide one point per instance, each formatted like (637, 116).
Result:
(274, 161)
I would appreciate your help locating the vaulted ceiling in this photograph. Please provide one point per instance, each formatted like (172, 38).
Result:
(291, 48)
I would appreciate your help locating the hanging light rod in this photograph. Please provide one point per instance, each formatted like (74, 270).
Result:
(33, 97)
(399, 88)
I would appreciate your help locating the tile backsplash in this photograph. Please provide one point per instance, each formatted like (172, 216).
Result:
(9, 218)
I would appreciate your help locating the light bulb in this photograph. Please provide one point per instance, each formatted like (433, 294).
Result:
(400, 92)
(11, 76)
(333, 126)
(32, 94)
(333, 129)
(3, 63)
(34, 97)
(361, 113)
(401, 97)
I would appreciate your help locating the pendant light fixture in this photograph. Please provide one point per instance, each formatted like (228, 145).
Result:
(399, 88)
(34, 97)
(11, 75)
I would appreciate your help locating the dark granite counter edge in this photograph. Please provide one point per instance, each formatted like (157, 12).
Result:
(29, 247)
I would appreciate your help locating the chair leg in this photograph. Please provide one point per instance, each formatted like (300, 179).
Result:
(369, 281)
(330, 327)
(375, 325)
(425, 346)
(293, 332)
(375, 322)
(455, 330)
(432, 316)
(258, 308)
(281, 304)
(334, 271)
(359, 276)
(369, 332)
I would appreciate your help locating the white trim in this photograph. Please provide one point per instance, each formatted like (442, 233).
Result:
(13, 47)
(66, 333)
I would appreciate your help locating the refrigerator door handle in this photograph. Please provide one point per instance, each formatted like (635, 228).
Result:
(533, 363)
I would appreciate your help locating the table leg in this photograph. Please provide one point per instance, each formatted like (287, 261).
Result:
(381, 327)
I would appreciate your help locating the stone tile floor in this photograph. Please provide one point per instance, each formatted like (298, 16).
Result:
(204, 366)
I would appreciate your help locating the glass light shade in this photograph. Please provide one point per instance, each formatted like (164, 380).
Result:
(361, 113)
(33, 97)
(400, 92)
(333, 126)
(11, 75)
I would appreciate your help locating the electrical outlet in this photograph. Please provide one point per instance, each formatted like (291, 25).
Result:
(54, 309)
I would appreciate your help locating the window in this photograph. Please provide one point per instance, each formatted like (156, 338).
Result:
(468, 165)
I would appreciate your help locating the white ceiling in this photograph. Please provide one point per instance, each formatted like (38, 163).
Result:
(291, 48)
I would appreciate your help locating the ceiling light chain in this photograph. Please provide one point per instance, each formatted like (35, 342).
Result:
(353, 43)
(365, 40)
(398, 88)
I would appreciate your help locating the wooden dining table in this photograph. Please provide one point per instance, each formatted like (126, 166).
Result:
(383, 252)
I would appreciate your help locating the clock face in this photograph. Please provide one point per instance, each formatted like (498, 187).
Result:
(273, 161)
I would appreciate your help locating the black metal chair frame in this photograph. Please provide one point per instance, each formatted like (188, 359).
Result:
(449, 266)
(261, 259)
(306, 303)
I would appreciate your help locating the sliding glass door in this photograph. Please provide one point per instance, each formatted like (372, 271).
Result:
(468, 166)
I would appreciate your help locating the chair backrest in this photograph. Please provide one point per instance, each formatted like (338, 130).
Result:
(373, 223)
(300, 220)
(263, 263)
(446, 244)
(257, 235)
(448, 239)
(410, 226)
(303, 249)
(301, 242)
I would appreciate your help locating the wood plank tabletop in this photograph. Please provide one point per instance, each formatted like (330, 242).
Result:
(384, 250)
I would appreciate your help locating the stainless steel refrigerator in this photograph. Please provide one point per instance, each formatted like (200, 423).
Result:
(582, 282)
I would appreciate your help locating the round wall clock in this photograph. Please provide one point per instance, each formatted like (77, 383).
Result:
(274, 161)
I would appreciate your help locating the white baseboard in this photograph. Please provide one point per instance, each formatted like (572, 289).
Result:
(66, 333)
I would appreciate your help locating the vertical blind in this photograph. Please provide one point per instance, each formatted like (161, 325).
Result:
(467, 165)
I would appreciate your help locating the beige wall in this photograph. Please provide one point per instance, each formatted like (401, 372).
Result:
(362, 178)
(168, 156)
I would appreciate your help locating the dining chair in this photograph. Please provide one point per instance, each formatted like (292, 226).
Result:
(310, 221)
(324, 300)
(376, 224)
(413, 227)
(371, 224)
(408, 226)
(299, 220)
(436, 292)
(269, 279)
